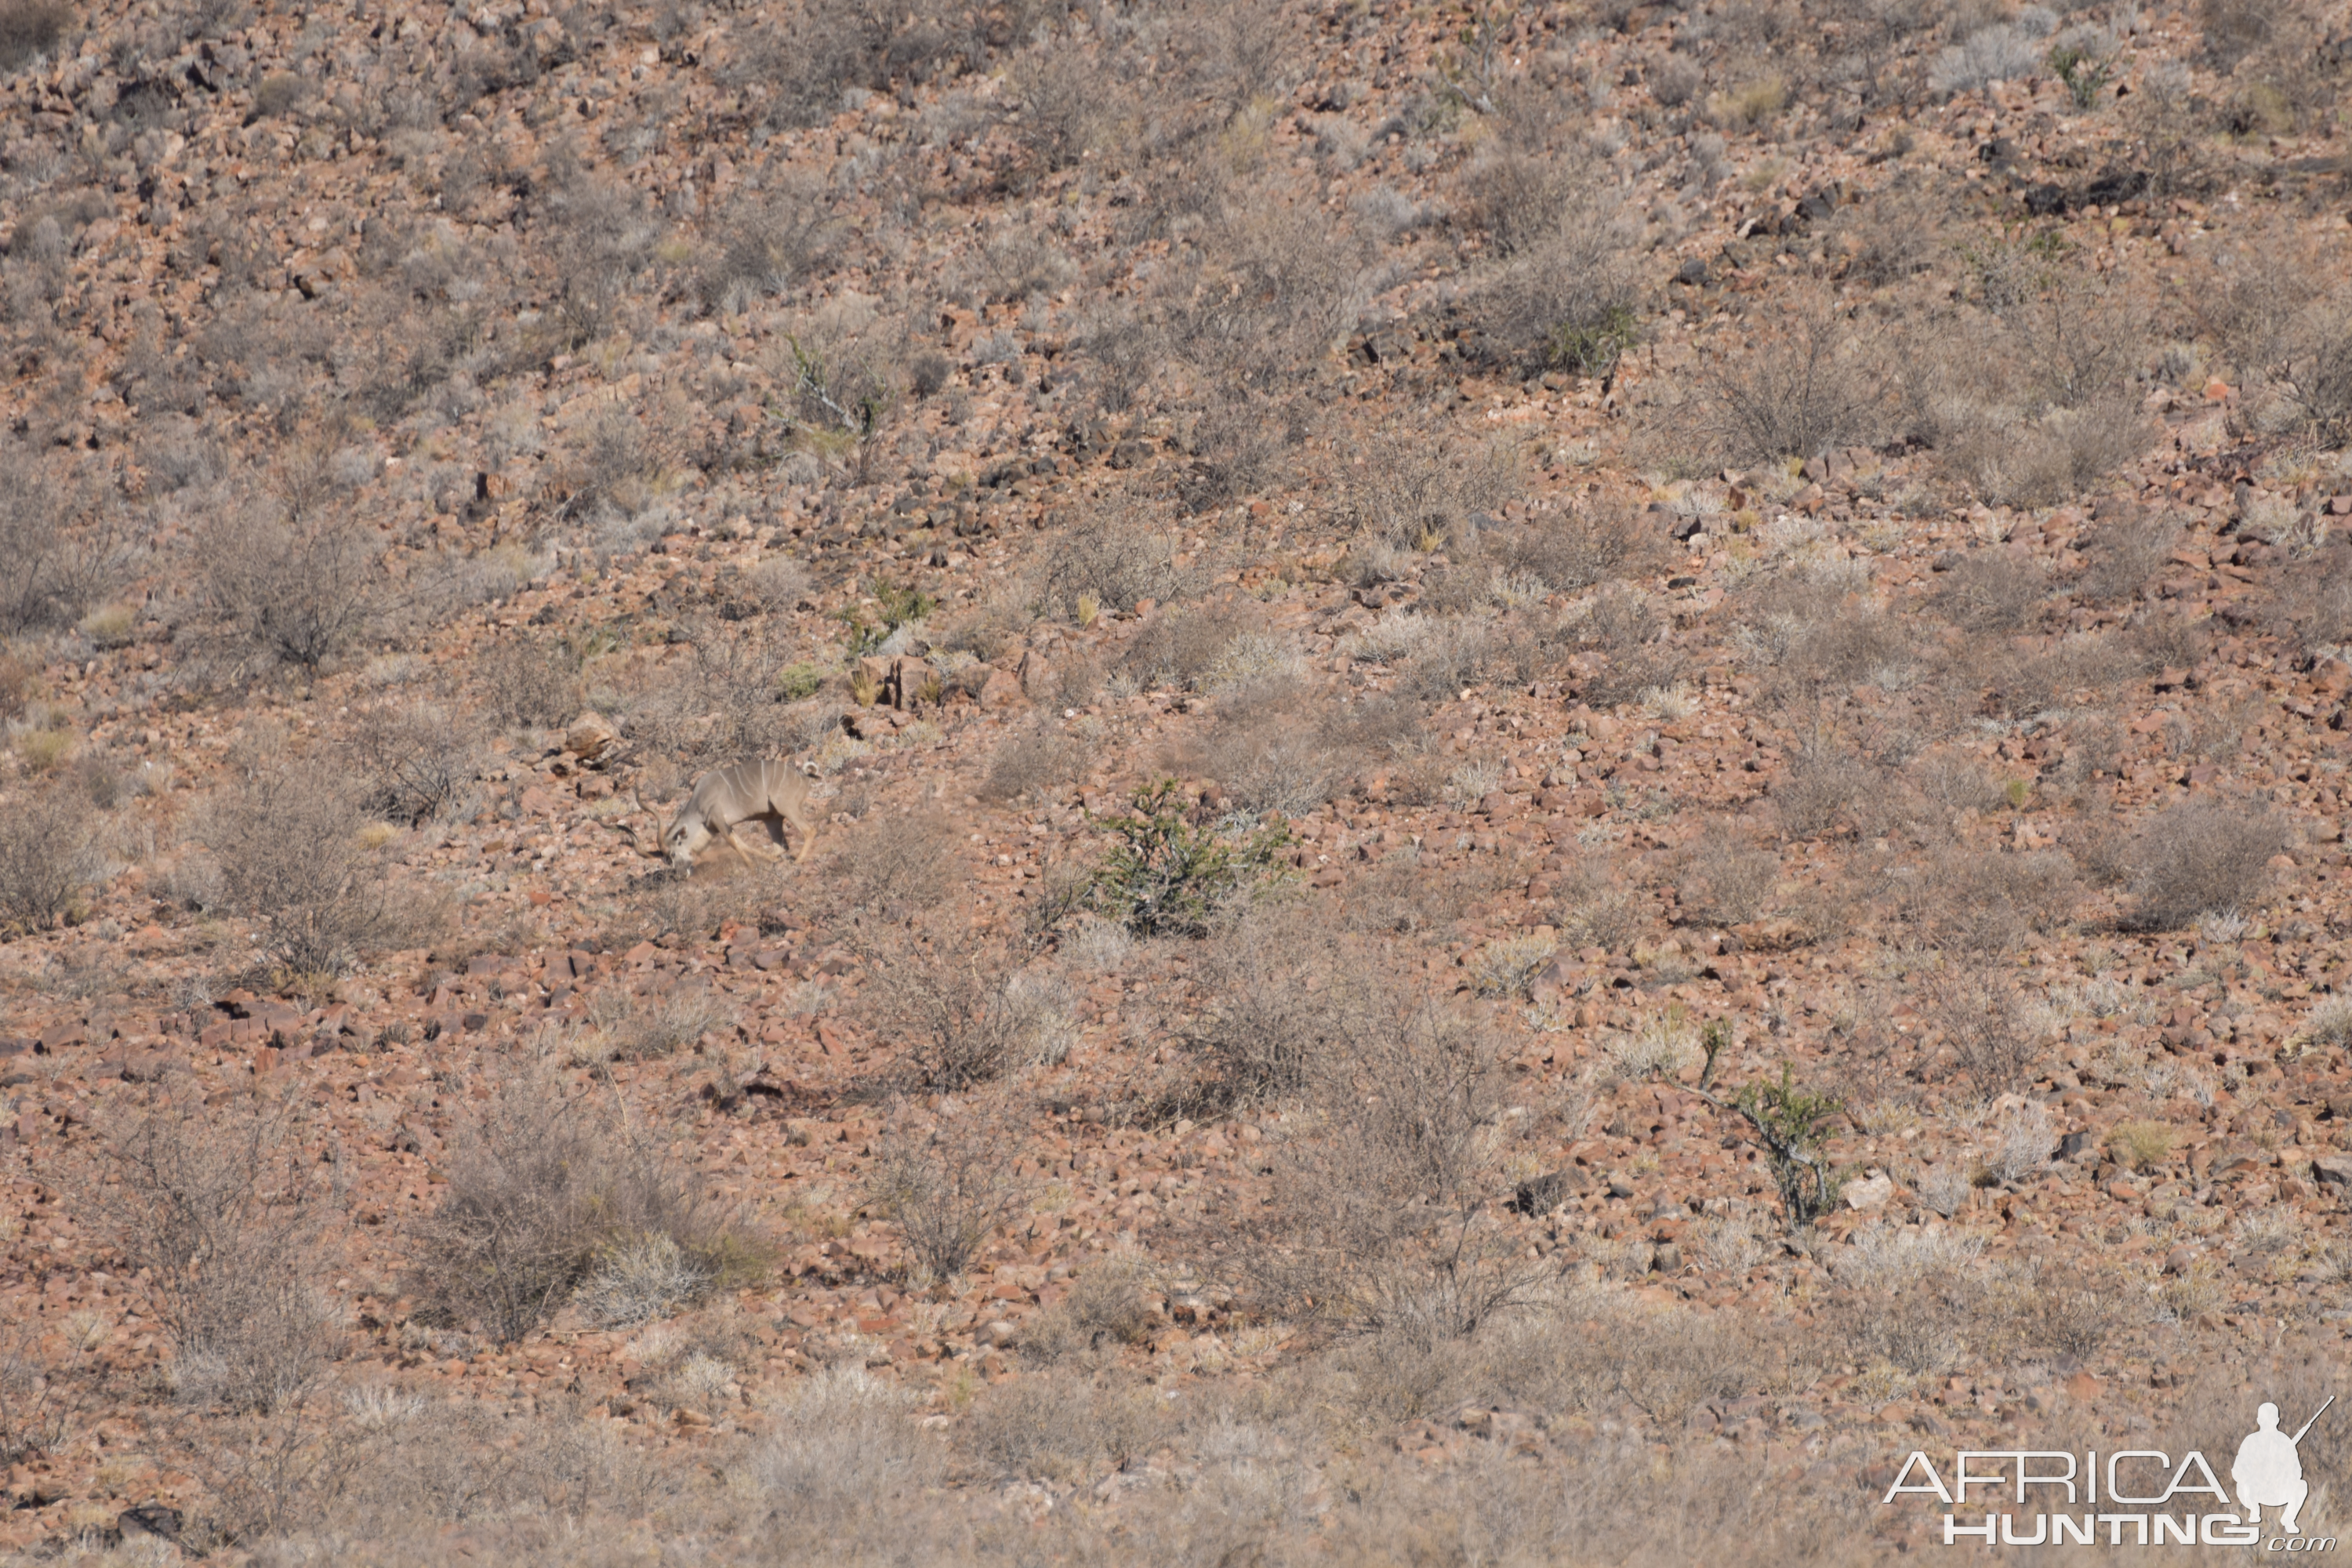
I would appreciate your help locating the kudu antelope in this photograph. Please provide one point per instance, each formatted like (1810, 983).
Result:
(724, 798)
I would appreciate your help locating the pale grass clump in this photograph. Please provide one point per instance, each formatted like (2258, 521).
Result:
(1397, 635)
(1943, 1188)
(1670, 703)
(1891, 1257)
(2267, 1229)
(1470, 783)
(1505, 965)
(1728, 1245)
(2025, 1144)
(1661, 1044)
(641, 1279)
(2329, 1023)
(2141, 1145)
(1253, 658)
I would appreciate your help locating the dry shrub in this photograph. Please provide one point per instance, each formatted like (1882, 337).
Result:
(1380, 1223)
(1403, 897)
(2288, 327)
(544, 1185)
(1984, 902)
(1986, 1027)
(2202, 857)
(1109, 1305)
(1726, 884)
(1035, 761)
(288, 845)
(768, 242)
(843, 1443)
(1405, 490)
(894, 866)
(727, 702)
(1820, 385)
(48, 853)
(1064, 1426)
(635, 1026)
(956, 1011)
(1181, 647)
(1591, 910)
(419, 761)
(294, 593)
(528, 683)
(1116, 556)
(55, 570)
(1821, 789)
(948, 1187)
(1567, 294)
(28, 28)
(1625, 629)
(1265, 1014)
(1571, 551)
(1992, 592)
(228, 1207)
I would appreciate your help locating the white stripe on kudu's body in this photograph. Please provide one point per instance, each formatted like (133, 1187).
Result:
(726, 797)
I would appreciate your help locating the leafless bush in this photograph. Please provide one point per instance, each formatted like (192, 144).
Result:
(420, 761)
(55, 571)
(1727, 884)
(1987, 1028)
(2287, 328)
(1989, 592)
(639, 1026)
(1567, 299)
(1265, 1007)
(599, 238)
(2124, 555)
(228, 1207)
(1381, 1222)
(1063, 105)
(767, 243)
(529, 683)
(1624, 628)
(1983, 902)
(1574, 550)
(2036, 462)
(1820, 386)
(1109, 1305)
(289, 851)
(1819, 789)
(290, 593)
(42, 1399)
(842, 1441)
(1181, 647)
(28, 28)
(48, 853)
(1114, 557)
(896, 866)
(1035, 759)
(2200, 857)
(544, 1185)
(953, 1009)
(1412, 493)
(949, 1187)
(1060, 1425)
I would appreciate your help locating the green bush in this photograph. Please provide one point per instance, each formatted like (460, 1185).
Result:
(1174, 865)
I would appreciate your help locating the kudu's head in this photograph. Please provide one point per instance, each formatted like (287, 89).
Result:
(682, 840)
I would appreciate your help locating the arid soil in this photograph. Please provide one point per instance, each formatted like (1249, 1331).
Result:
(1575, 768)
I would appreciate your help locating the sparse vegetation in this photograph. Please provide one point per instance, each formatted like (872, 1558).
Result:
(1345, 578)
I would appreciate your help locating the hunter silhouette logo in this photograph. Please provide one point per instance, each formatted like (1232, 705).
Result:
(2131, 1497)
(2268, 1469)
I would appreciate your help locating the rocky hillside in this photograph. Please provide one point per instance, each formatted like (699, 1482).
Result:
(1554, 754)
